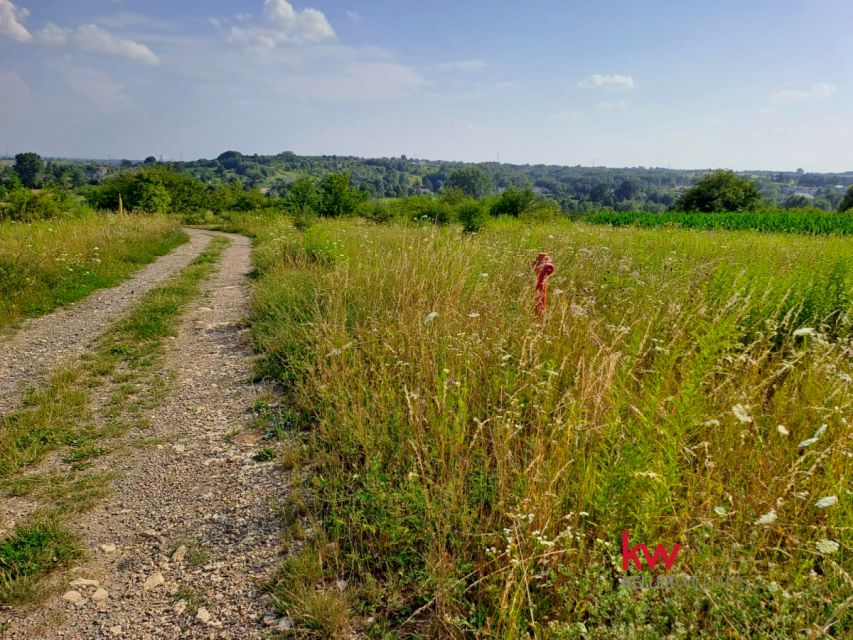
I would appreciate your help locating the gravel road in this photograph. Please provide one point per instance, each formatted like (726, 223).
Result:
(43, 343)
(183, 545)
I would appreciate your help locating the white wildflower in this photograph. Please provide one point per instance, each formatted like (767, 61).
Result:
(806, 443)
(826, 547)
(804, 331)
(720, 511)
(828, 501)
(767, 518)
(782, 430)
(473, 314)
(820, 431)
(432, 315)
(741, 413)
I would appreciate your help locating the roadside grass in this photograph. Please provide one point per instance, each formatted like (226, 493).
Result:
(472, 469)
(63, 416)
(52, 263)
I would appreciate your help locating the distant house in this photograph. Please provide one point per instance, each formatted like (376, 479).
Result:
(542, 191)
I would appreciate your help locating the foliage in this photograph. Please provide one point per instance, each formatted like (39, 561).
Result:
(513, 202)
(473, 467)
(302, 195)
(846, 203)
(473, 181)
(720, 191)
(337, 197)
(29, 167)
(472, 214)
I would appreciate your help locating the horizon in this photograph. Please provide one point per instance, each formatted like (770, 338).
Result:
(663, 85)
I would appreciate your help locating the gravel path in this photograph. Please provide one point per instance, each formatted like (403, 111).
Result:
(191, 530)
(44, 342)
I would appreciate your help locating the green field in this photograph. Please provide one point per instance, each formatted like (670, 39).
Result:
(472, 469)
(51, 263)
(804, 222)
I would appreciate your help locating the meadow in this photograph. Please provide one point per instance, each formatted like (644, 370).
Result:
(51, 263)
(469, 468)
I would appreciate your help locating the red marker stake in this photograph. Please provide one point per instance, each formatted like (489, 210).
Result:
(544, 268)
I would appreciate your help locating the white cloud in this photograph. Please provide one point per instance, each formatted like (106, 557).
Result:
(611, 81)
(817, 93)
(11, 22)
(92, 39)
(282, 24)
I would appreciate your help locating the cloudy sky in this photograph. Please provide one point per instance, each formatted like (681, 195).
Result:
(732, 83)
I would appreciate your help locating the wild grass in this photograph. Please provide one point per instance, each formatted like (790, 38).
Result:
(49, 264)
(474, 467)
(63, 416)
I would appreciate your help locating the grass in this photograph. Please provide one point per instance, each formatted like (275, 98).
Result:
(62, 416)
(811, 222)
(472, 468)
(49, 264)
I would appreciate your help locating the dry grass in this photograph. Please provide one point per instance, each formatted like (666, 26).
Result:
(476, 467)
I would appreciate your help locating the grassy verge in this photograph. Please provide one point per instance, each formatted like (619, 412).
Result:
(48, 264)
(64, 416)
(473, 468)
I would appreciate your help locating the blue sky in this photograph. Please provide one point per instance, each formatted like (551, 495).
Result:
(748, 84)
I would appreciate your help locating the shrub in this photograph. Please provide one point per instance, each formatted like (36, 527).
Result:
(472, 214)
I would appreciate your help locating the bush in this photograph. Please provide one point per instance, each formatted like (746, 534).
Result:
(513, 202)
(472, 214)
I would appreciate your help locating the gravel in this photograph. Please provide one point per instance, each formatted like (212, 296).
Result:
(43, 343)
(182, 547)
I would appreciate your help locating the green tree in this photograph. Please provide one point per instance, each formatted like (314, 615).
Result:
(846, 203)
(797, 201)
(720, 191)
(337, 197)
(302, 195)
(29, 167)
(513, 202)
(475, 182)
(148, 194)
(472, 214)
(150, 160)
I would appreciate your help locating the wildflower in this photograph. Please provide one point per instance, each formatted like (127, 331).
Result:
(767, 518)
(741, 413)
(820, 431)
(804, 331)
(782, 430)
(826, 547)
(432, 315)
(828, 501)
(720, 511)
(806, 443)
(473, 314)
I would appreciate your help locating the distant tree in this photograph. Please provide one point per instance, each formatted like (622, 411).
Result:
(232, 160)
(337, 197)
(475, 182)
(720, 191)
(628, 189)
(797, 201)
(149, 194)
(513, 202)
(29, 167)
(846, 203)
(150, 160)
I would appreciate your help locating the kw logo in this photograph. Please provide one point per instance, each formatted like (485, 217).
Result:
(629, 555)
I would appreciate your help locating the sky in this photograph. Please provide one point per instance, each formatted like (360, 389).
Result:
(745, 84)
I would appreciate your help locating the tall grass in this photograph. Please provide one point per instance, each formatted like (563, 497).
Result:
(475, 467)
(48, 264)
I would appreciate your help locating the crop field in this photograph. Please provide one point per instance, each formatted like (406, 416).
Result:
(51, 263)
(805, 222)
(472, 469)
